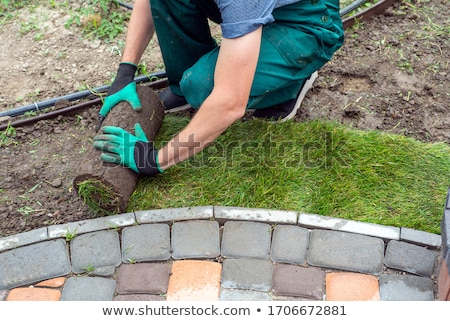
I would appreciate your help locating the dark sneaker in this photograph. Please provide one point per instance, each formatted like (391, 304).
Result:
(287, 110)
(171, 102)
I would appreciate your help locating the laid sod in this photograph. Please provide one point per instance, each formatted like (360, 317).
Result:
(312, 167)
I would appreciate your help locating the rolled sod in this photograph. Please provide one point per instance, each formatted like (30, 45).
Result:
(105, 187)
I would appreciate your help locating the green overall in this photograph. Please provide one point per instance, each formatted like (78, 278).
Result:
(300, 41)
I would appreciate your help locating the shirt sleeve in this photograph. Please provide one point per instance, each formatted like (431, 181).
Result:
(240, 17)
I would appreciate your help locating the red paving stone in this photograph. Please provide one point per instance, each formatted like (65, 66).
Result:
(444, 283)
(193, 280)
(52, 283)
(33, 294)
(348, 286)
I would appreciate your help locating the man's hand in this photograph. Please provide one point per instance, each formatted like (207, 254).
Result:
(134, 152)
(122, 89)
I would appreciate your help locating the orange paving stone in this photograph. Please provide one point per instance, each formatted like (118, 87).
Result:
(193, 280)
(33, 294)
(444, 283)
(348, 286)
(52, 283)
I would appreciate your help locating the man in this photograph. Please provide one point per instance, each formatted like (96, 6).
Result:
(267, 60)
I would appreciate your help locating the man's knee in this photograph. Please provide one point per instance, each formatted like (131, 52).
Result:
(196, 87)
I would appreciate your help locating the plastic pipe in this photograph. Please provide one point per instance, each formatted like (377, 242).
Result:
(75, 96)
(352, 7)
(128, 6)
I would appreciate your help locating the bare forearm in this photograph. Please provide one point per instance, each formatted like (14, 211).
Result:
(235, 69)
(140, 32)
(210, 121)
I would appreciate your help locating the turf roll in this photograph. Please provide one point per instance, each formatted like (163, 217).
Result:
(105, 187)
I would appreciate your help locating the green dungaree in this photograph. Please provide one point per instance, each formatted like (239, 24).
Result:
(300, 41)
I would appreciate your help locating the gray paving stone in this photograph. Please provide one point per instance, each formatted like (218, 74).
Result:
(88, 289)
(175, 214)
(97, 250)
(143, 278)
(33, 263)
(410, 258)
(405, 288)
(87, 226)
(247, 274)
(195, 239)
(243, 295)
(242, 239)
(289, 244)
(445, 228)
(420, 237)
(293, 280)
(147, 242)
(3, 295)
(337, 224)
(346, 251)
(22, 239)
(225, 213)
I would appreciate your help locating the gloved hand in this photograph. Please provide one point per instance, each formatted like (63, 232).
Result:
(122, 89)
(135, 152)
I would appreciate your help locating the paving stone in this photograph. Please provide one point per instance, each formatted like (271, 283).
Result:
(346, 251)
(247, 274)
(92, 225)
(52, 283)
(444, 282)
(33, 294)
(193, 280)
(139, 297)
(95, 250)
(22, 239)
(445, 228)
(289, 244)
(3, 295)
(33, 263)
(147, 242)
(348, 286)
(175, 214)
(195, 239)
(81, 289)
(243, 295)
(225, 213)
(410, 258)
(369, 229)
(406, 288)
(292, 280)
(246, 240)
(420, 237)
(143, 278)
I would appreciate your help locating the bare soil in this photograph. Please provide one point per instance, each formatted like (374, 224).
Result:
(391, 75)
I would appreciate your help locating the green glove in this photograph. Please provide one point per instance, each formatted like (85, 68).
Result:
(134, 152)
(127, 93)
(122, 89)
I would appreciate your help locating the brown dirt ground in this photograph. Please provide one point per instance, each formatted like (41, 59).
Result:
(391, 75)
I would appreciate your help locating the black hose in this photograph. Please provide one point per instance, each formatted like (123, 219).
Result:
(354, 5)
(128, 6)
(75, 96)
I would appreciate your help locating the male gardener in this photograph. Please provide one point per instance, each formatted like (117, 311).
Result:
(267, 60)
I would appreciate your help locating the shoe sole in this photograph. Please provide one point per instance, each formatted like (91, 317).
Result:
(177, 109)
(306, 87)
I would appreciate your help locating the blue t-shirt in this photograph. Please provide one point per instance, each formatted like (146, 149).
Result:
(240, 17)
